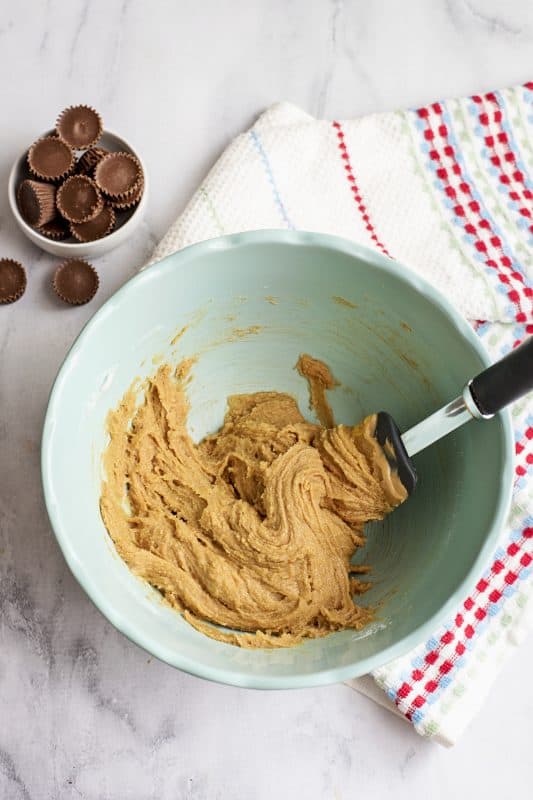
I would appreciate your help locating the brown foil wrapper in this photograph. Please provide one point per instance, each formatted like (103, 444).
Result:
(50, 159)
(75, 281)
(130, 201)
(118, 175)
(79, 126)
(37, 202)
(12, 280)
(57, 229)
(96, 228)
(78, 199)
(88, 161)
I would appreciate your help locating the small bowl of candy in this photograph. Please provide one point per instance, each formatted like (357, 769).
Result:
(79, 190)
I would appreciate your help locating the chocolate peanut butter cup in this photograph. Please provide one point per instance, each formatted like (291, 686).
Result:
(12, 280)
(118, 175)
(75, 282)
(95, 228)
(37, 202)
(88, 161)
(131, 200)
(57, 229)
(50, 159)
(79, 126)
(78, 199)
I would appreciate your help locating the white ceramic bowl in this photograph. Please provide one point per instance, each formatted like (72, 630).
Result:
(127, 221)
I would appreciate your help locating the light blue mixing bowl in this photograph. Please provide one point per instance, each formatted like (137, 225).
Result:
(392, 341)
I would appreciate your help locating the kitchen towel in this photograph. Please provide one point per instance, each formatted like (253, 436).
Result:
(446, 189)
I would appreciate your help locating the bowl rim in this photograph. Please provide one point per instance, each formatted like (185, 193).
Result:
(70, 248)
(305, 679)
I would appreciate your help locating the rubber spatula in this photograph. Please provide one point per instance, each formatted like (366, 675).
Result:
(482, 397)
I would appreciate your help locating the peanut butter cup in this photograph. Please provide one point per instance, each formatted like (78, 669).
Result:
(95, 228)
(75, 282)
(118, 175)
(88, 161)
(79, 126)
(57, 229)
(79, 199)
(50, 159)
(12, 280)
(123, 203)
(37, 202)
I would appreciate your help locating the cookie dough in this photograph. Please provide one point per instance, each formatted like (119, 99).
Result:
(249, 533)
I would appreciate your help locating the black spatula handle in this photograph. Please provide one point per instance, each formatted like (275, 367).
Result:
(505, 381)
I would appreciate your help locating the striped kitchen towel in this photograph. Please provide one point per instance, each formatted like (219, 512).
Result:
(448, 190)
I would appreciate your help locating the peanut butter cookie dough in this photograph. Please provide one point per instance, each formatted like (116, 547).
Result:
(253, 528)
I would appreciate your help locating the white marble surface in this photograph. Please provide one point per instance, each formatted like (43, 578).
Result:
(84, 713)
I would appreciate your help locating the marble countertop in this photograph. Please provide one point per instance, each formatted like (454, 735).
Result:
(85, 713)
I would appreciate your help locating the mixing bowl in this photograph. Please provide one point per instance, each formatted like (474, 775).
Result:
(252, 303)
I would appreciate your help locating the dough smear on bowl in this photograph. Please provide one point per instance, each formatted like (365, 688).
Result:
(252, 529)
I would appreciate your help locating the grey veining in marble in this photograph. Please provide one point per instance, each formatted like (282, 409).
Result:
(84, 713)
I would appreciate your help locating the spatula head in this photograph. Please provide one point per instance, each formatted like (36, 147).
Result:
(389, 437)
